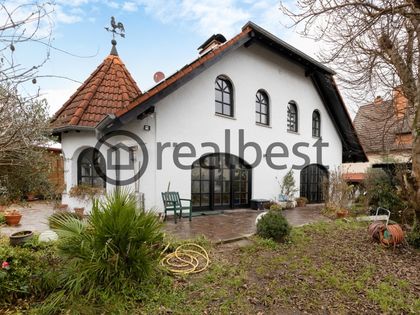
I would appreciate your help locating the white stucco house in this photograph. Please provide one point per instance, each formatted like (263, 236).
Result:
(263, 106)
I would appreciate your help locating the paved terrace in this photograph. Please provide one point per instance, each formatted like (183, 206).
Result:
(230, 225)
(236, 224)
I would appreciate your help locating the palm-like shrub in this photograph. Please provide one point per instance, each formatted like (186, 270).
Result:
(117, 247)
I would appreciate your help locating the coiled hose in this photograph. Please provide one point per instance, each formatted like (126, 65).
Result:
(186, 259)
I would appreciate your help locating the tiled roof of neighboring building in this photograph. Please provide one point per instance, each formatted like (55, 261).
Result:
(379, 128)
(108, 89)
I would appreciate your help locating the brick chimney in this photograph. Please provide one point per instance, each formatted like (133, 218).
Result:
(399, 101)
(378, 100)
(211, 43)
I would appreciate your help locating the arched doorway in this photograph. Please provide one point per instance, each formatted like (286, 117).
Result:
(312, 180)
(220, 181)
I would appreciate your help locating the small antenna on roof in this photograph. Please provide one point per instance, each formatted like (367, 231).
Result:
(158, 76)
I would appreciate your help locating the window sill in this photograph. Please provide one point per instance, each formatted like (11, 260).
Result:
(224, 116)
(263, 125)
(294, 132)
(316, 137)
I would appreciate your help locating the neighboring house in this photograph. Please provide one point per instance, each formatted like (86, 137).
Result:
(254, 82)
(384, 129)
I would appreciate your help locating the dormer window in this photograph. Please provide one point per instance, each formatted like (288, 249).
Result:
(224, 96)
(292, 117)
(262, 111)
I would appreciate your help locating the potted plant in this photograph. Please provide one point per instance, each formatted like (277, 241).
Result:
(85, 194)
(342, 213)
(301, 201)
(79, 211)
(12, 217)
(20, 238)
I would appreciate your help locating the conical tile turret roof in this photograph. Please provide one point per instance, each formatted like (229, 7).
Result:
(108, 89)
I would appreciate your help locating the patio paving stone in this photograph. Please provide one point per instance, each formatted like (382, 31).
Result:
(224, 227)
(34, 218)
(235, 224)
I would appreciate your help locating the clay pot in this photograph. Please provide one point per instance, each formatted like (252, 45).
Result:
(63, 207)
(20, 238)
(12, 219)
(79, 212)
(342, 213)
(301, 203)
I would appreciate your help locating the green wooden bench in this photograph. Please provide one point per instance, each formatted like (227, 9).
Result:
(172, 202)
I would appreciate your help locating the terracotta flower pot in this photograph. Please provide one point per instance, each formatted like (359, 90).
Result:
(63, 207)
(342, 213)
(12, 219)
(79, 212)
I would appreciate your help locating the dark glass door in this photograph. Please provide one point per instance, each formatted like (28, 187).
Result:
(312, 180)
(220, 182)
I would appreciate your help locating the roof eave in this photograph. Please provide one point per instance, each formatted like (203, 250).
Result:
(287, 46)
(58, 130)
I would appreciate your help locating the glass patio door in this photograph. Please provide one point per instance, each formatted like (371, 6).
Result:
(220, 181)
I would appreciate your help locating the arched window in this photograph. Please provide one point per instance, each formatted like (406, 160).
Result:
(224, 96)
(316, 124)
(262, 110)
(292, 116)
(90, 165)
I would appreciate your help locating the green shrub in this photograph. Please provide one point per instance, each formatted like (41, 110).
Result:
(59, 216)
(380, 192)
(26, 272)
(275, 207)
(273, 225)
(2, 219)
(115, 249)
(413, 237)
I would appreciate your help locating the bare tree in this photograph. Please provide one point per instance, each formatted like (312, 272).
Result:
(24, 121)
(374, 45)
(22, 25)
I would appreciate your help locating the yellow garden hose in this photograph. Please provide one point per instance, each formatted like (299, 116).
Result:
(186, 259)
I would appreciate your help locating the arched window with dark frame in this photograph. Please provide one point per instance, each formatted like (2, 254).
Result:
(224, 96)
(262, 108)
(316, 124)
(292, 116)
(90, 165)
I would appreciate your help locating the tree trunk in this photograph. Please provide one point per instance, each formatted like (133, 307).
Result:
(416, 161)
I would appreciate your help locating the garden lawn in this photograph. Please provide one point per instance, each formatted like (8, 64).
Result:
(325, 268)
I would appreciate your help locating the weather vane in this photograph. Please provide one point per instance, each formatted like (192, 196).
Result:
(116, 28)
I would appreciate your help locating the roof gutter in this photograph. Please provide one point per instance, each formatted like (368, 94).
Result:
(58, 130)
(104, 123)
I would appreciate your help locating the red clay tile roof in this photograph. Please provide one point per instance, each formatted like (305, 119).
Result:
(108, 89)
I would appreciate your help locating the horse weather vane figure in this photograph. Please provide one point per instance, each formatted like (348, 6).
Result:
(116, 28)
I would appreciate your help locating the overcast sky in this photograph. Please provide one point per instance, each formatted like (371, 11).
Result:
(161, 35)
